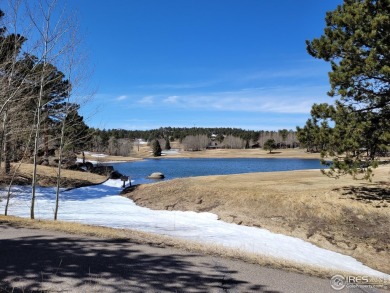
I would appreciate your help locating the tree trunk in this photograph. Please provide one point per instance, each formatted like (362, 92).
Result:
(59, 165)
(58, 181)
(35, 162)
(46, 140)
(6, 146)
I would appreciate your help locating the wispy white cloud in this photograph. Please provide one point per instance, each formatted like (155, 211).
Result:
(292, 100)
(171, 99)
(179, 86)
(147, 100)
(301, 73)
(121, 98)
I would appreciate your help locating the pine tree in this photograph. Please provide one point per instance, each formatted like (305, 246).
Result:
(269, 145)
(356, 41)
(156, 148)
(167, 144)
(10, 86)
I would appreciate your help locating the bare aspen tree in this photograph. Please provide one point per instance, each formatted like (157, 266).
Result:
(62, 135)
(125, 146)
(196, 142)
(13, 90)
(51, 28)
(233, 142)
(35, 92)
(74, 132)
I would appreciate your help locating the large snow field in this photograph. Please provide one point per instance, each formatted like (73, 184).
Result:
(101, 205)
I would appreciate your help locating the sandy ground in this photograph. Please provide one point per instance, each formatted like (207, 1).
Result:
(49, 261)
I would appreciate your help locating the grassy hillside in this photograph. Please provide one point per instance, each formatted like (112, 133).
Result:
(351, 217)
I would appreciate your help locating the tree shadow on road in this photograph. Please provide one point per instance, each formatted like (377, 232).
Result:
(57, 264)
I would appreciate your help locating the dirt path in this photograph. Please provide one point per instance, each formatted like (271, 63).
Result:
(35, 259)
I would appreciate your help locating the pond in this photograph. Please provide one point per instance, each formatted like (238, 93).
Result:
(184, 167)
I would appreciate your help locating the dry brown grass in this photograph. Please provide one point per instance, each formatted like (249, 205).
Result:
(47, 176)
(109, 158)
(144, 152)
(247, 153)
(165, 241)
(351, 217)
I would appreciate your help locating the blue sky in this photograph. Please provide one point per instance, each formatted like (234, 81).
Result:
(203, 63)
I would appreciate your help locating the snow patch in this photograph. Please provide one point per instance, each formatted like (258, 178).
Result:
(99, 155)
(101, 205)
(171, 152)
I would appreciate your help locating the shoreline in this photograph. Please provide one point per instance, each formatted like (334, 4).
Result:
(234, 250)
(211, 154)
(301, 203)
(304, 204)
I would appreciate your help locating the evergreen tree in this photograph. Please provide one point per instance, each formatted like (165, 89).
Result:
(356, 41)
(10, 88)
(283, 133)
(269, 145)
(156, 148)
(77, 134)
(167, 144)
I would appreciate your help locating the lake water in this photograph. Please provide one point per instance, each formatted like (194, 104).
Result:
(183, 167)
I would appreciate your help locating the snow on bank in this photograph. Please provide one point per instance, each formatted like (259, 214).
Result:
(100, 205)
(171, 152)
(80, 160)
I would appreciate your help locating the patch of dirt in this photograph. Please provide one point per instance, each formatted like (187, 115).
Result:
(376, 194)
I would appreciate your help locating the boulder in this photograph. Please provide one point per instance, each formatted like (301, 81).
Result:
(156, 175)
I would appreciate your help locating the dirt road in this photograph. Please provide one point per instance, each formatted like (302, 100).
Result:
(47, 261)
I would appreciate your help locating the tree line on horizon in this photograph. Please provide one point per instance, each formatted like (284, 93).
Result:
(120, 141)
